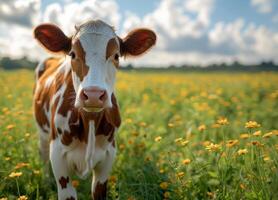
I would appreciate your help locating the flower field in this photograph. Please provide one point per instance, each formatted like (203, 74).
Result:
(183, 136)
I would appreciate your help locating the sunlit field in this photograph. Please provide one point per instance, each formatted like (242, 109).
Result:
(183, 136)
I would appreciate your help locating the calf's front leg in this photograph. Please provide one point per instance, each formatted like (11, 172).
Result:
(61, 172)
(101, 174)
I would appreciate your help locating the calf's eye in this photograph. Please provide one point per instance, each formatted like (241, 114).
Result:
(116, 57)
(72, 55)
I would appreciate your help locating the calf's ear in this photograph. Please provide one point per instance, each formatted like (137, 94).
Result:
(137, 42)
(52, 38)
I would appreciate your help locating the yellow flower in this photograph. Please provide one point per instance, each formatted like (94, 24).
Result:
(75, 183)
(37, 172)
(256, 143)
(185, 142)
(171, 125)
(231, 143)
(10, 126)
(257, 133)
(20, 165)
(267, 158)
(267, 135)
(222, 121)
(166, 195)
(202, 127)
(143, 124)
(242, 151)
(15, 174)
(244, 136)
(178, 140)
(186, 161)
(4, 198)
(23, 197)
(158, 138)
(252, 124)
(163, 185)
(180, 174)
(213, 147)
(242, 186)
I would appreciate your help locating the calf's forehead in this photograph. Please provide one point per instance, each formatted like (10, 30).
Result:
(94, 37)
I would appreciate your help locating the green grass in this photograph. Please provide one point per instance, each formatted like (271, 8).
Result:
(167, 118)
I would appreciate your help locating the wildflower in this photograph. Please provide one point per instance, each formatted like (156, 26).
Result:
(128, 120)
(27, 135)
(180, 174)
(166, 194)
(158, 138)
(15, 174)
(222, 121)
(215, 126)
(186, 161)
(113, 179)
(171, 125)
(75, 183)
(7, 158)
(161, 171)
(210, 194)
(242, 151)
(252, 124)
(213, 147)
(256, 143)
(121, 146)
(20, 165)
(163, 185)
(185, 142)
(244, 136)
(231, 143)
(257, 133)
(143, 124)
(10, 126)
(202, 127)
(267, 158)
(242, 186)
(267, 135)
(178, 140)
(23, 197)
(37, 172)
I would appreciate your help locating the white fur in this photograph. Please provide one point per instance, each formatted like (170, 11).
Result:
(94, 38)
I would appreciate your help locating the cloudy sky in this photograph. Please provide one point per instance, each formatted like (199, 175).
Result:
(189, 31)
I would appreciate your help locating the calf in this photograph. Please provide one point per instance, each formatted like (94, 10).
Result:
(75, 106)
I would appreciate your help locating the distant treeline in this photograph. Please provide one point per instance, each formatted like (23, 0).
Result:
(25, 63)
(22, 63)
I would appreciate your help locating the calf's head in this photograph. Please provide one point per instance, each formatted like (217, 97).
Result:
(94, 52)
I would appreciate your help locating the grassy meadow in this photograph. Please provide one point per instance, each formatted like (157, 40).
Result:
(183, 136)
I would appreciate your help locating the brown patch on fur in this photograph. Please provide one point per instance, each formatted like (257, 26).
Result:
(63, 182)
(79, 63)
(100, 191)
(43, 94)
(111, 49)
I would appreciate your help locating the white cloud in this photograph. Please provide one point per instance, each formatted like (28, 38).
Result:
(72, 13)
(24, 13)
(262, 6)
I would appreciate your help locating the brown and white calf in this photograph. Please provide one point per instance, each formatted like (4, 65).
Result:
(74, 100)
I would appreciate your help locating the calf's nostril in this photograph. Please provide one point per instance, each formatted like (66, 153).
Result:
(84, 96)
(103, 96)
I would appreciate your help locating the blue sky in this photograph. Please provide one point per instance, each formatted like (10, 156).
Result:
(189, 31)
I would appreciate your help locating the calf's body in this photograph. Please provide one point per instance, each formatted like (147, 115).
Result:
(75, 106)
